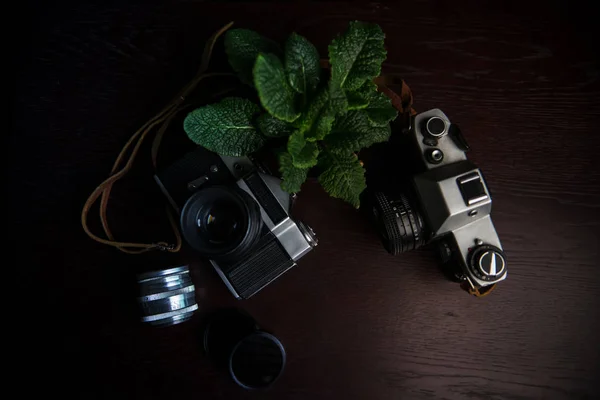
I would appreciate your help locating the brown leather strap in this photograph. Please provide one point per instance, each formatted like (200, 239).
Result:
(163, 118)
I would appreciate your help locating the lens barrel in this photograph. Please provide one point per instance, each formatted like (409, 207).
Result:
(221, 222)
(399, 224)
(167, 297)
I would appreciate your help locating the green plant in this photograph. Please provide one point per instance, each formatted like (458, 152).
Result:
(326, 117)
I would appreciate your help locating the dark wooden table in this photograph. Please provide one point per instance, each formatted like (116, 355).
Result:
(522, 80)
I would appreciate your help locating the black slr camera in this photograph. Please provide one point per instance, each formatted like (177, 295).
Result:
(237, 216)
(434, 194)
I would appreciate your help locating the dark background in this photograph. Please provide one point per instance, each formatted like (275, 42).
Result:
(520, 78)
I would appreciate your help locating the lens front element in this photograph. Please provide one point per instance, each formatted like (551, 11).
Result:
(221, 222)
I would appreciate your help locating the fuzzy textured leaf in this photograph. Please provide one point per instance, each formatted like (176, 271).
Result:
(337, 98)
(354, 132)
(275, 93)
(242, 47)
(356, 56)
(380, 110)
(361, 97)
(304, 153)
(316, 122)
(293, 177)
(302, 64)
(226, 127)
(343, 176)
(273, 127)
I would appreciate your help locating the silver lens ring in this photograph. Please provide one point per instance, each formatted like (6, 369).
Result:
(167, 297)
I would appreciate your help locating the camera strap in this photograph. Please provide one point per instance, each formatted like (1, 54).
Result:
(477, 292)
(162, 119)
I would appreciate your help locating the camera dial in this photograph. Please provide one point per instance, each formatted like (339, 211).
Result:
(487, 263)
(436, 127)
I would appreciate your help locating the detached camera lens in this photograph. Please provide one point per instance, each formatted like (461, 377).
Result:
(167, 297)
(399, 224)
(221, 222)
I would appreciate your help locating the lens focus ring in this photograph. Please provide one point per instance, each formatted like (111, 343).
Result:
(400, 225)
(167, 297)
(386, 217)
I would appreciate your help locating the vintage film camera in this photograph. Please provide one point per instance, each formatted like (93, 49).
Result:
(425, 190)
(238, 217)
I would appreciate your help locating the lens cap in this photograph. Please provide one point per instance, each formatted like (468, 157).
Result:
(255, 359)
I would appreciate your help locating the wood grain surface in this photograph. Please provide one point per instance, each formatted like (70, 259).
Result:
(522, 81)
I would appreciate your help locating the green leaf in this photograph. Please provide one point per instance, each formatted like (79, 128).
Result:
(356, 56)
(274, 91)
(293, 177)
(354, 132)
(303, 152)
(242, 47)
(361, 97)
(337, 98)
(302, 64)
(380, 110)
(343, 176)
(273, 127)
(226, 127)
(316, 123)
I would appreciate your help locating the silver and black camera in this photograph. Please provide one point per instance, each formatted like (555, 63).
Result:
(432, 193)
(237, 216)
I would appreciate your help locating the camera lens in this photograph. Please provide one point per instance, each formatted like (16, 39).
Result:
(221, 222)
(399, 224)
(167, 297)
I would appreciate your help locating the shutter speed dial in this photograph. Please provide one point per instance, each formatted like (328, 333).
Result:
(487, 263)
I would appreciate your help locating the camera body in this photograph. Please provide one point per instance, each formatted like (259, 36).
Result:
(237, 216)
(443, 199)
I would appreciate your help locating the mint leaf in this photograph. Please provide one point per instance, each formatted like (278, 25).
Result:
(380, 110)
(337, 98)
(293, 177)
(354, 131)
(242, 47)
(226, 127)
(274, 91)
(302, 64)
(356, 56)
(316, 122)
(303, 152)
(273, 127)
(343, 176)
(361, 97)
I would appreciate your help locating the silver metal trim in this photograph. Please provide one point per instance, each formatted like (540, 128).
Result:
(476, 200)
(468, 178)
(164, 295)
(184, 269)
(156, 317)
(224, 279)
(437, 135)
